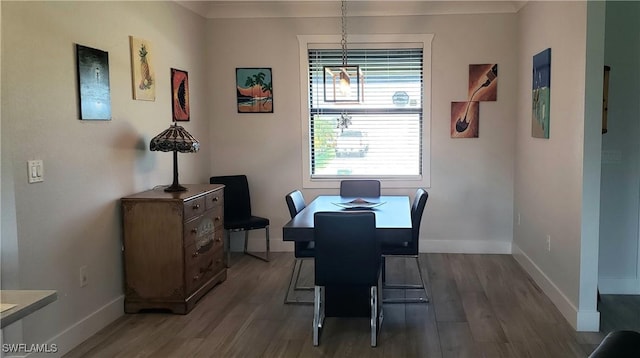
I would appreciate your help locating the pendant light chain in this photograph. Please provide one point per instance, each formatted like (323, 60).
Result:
(344, 33)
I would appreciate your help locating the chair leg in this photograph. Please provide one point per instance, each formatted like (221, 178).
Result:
(227, 247)
(246, 239)
(422, 286)
(318, 314)
(384, 270)
(376, 316)
(267, 238)
(293, 281)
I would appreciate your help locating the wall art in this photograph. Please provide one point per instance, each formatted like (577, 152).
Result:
(143, 77)
(483, 82)
(93, 83)
(465, 119)
(541, 94)
(254, 89)
(180, 95)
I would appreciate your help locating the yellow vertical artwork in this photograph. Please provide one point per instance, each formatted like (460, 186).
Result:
(143, 77)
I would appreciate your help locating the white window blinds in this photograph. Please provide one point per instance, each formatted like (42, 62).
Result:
(380, 136)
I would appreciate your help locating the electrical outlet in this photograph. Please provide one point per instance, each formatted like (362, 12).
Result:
(549, 243)
(84, 277)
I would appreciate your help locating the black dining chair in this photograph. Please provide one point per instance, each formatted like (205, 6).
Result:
(408, 249)
(302, 250)
(360, 188)
(237, 212)
(347, 255)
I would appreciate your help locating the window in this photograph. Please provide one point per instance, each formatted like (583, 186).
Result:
(385, 135)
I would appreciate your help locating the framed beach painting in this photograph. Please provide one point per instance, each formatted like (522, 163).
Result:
(143, 77)
(254, 90)
(93, 83)
(179, 95)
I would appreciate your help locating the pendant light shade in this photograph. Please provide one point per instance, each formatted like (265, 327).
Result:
(343, 82)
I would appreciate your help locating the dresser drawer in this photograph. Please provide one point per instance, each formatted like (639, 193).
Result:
(194, 207)
(193, 252)
(202, 229)
(203, 267)
(214, 199)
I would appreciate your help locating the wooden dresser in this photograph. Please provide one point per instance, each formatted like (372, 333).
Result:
(173, 247)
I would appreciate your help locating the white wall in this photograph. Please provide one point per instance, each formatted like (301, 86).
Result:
(621, 178)
(549, 192)
(470, 206)
(73, 218)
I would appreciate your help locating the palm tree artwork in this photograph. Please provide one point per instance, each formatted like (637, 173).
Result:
(254, 89)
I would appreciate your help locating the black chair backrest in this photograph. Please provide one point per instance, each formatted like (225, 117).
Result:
(417, 208)
(237, 201)
(295, 202)
(347, 252)
(360, 188)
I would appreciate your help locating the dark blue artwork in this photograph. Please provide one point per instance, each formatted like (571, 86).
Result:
(93, 83)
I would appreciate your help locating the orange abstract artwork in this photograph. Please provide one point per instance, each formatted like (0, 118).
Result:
(180, 95)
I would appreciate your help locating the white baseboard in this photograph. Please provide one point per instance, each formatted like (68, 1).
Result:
(619, 286)
(465, 246)
(584, 321)
(86, 327)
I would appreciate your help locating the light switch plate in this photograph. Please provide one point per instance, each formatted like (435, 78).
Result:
(35, 171)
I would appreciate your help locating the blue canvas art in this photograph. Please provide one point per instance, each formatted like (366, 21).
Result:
(93, 83)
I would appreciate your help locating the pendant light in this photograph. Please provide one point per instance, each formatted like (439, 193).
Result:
(344, 82)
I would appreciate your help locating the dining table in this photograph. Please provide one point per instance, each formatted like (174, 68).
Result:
(393, 225)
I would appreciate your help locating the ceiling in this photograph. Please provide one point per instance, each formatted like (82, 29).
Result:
(328, 8)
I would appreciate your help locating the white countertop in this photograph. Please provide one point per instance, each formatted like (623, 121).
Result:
(25, 301)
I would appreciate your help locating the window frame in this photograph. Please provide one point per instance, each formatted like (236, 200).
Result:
(388, 41)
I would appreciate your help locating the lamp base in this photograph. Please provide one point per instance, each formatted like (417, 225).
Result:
(174, 188)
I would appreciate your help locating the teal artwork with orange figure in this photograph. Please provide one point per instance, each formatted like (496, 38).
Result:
(254, 88)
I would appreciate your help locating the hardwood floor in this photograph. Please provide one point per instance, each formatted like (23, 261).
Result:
(481, 306)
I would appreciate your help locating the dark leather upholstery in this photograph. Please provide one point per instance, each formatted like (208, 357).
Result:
(618, 344)
(347, 264)
(347, 252)
(237, 212)
(360, 188)
(237, 204)
(295, 203)
(417, 209)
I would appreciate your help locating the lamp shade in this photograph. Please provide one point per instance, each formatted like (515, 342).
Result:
(175, 139)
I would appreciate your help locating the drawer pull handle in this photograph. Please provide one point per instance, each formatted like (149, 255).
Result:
(196, 278)
(196, 206)
(218, 218)
(207, 268)
(218, 240)
(195, 254)
(206, 247)
(215, 198)
(194, 230)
